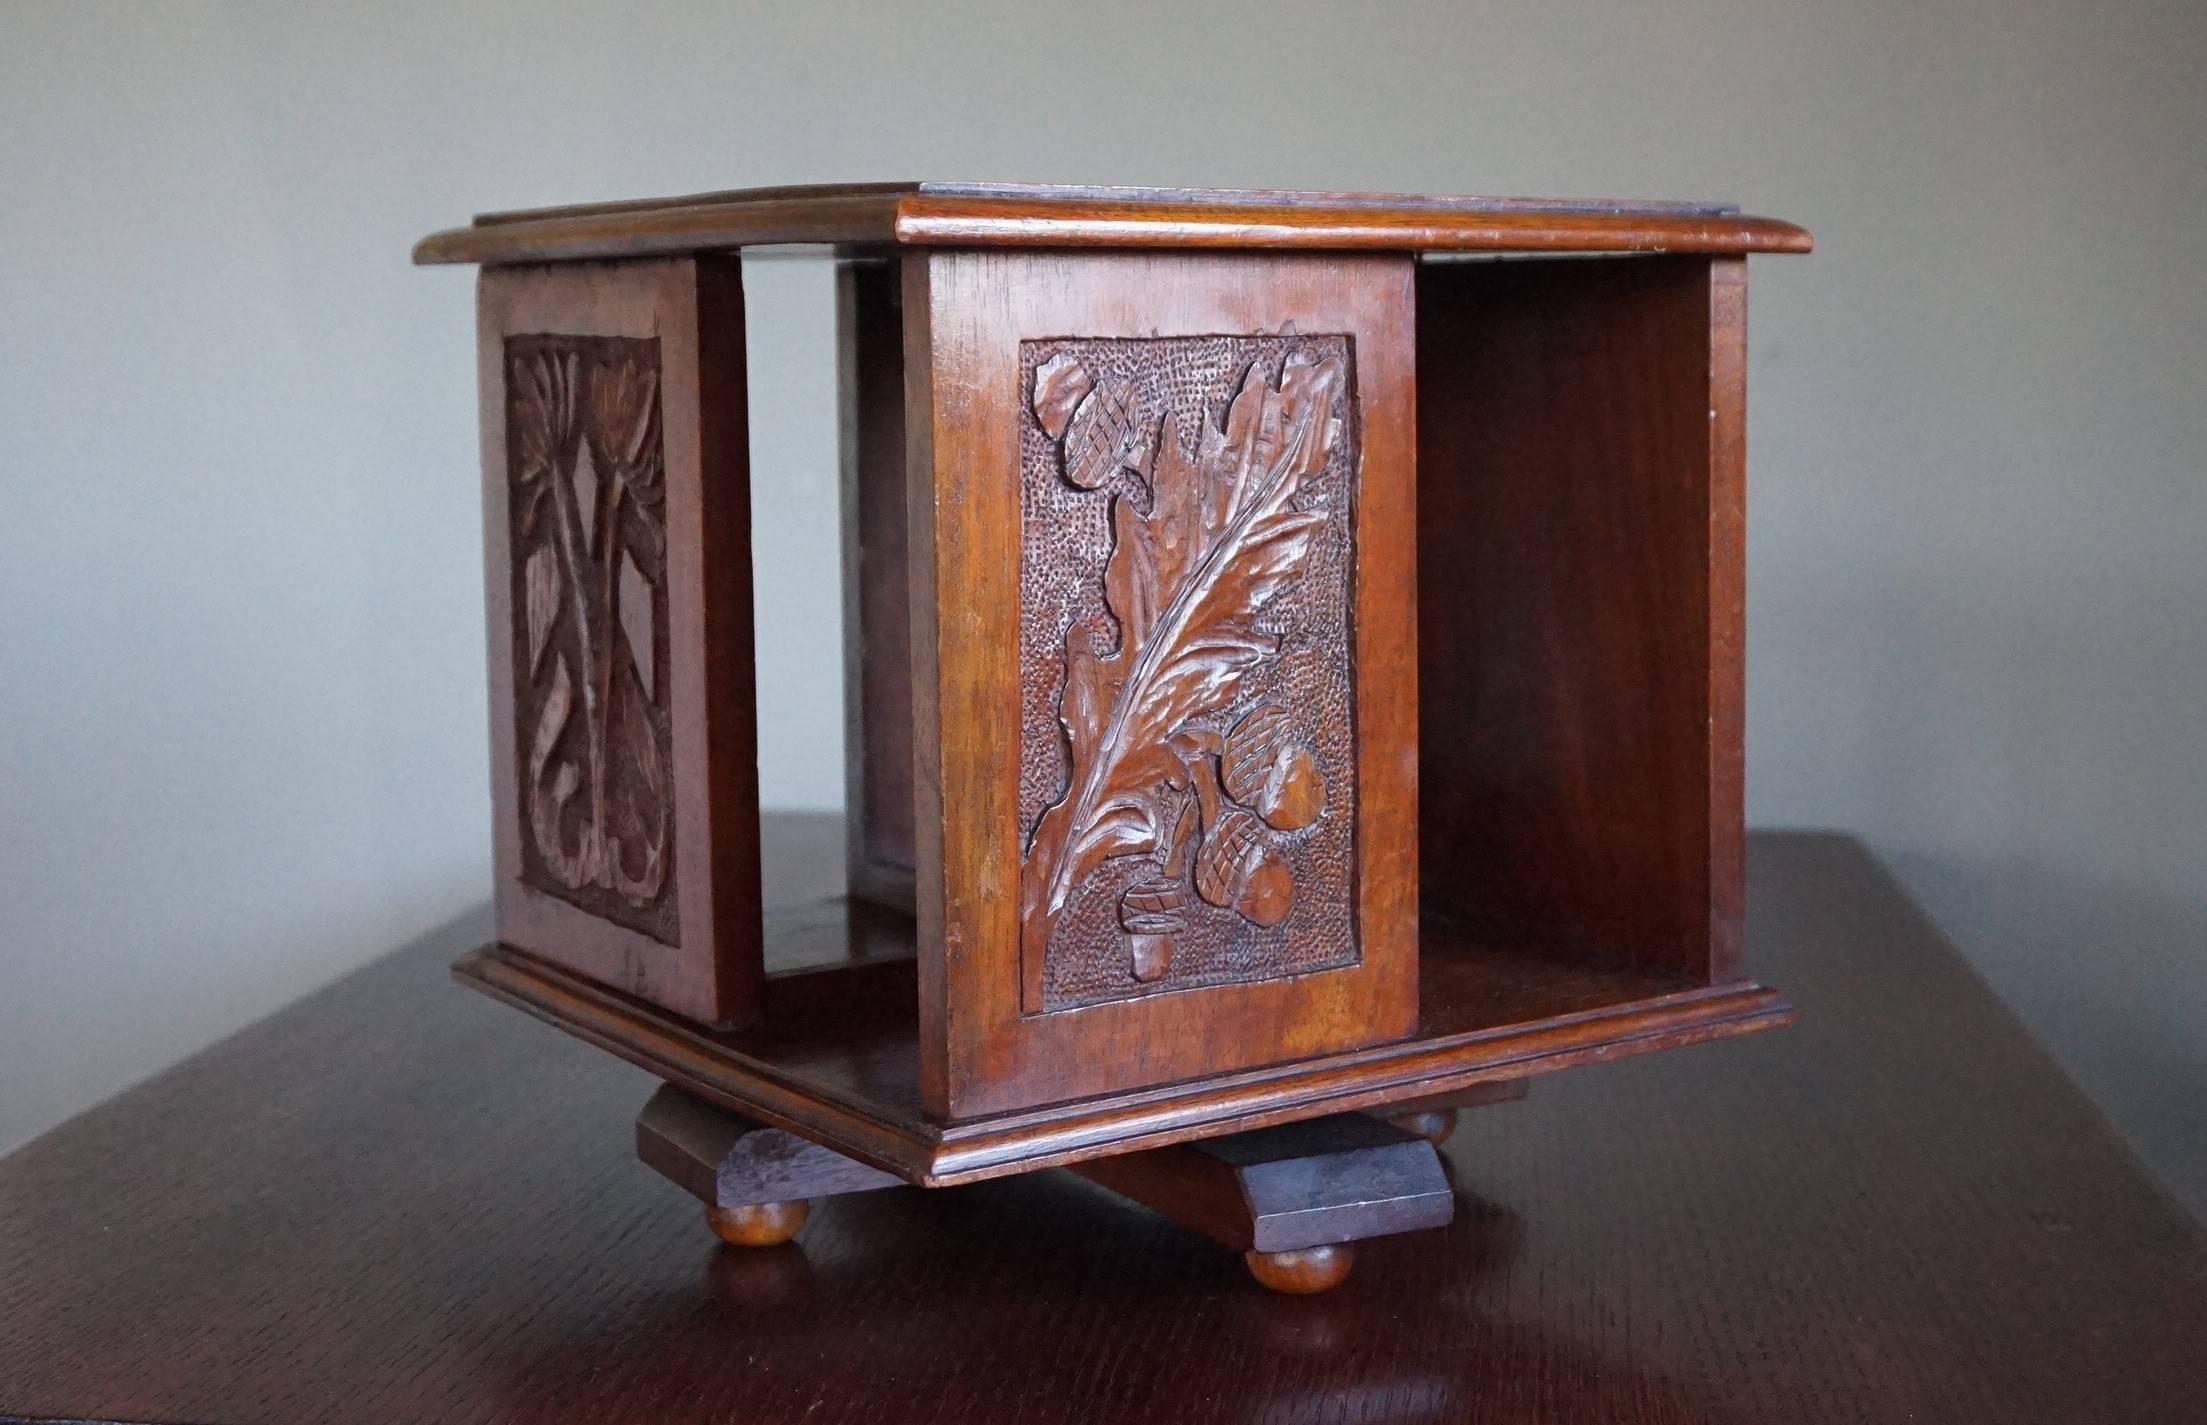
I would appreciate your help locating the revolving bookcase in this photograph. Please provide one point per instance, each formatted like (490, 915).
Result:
(1293, 684)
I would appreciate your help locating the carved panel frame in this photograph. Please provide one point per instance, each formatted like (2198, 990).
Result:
(704, 961)
(984, 1046)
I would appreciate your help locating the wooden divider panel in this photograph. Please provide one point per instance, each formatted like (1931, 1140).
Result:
(617, 524)
(1579, 610)
(877, 578)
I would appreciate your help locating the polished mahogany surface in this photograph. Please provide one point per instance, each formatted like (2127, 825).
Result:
(836, 1057)
(867, 216)
(398, 1201)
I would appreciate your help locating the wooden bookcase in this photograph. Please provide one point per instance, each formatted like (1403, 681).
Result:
(1292, 663)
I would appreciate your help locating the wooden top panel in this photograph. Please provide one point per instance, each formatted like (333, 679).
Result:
(400, 1202)
(863, 215)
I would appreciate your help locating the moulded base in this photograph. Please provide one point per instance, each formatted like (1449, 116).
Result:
(843, 1069)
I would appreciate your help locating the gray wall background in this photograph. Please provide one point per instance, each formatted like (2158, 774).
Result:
(241, 652)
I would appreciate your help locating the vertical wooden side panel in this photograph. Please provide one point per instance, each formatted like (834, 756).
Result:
(1199, 369)
(1727, 556)
(974, 527)
(929, 842)
(877, 627)
(617, 516)
(1578, 607)
(721, 721)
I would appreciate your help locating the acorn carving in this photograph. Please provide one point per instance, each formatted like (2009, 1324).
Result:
(1265, 769)
(1152, 911)
(1237, 871)
(1060, 383)
(1105, 433)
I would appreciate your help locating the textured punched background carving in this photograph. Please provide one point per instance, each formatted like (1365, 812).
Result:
(586, 514)
(1066, 544)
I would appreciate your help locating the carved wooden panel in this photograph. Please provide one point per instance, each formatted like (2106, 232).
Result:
(587, 515)
(1187, 769)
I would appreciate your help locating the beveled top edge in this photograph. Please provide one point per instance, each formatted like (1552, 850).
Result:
(1052, 193)
(876, 215)
(720, 198)
(1320, 198)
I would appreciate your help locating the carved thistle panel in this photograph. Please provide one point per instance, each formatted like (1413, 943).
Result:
(587, 528)
(1187, 770)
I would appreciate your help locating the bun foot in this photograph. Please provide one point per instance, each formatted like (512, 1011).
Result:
(1304, 1270)
(765, 1224)
(1433, 1125)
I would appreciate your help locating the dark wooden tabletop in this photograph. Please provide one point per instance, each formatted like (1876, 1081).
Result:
(398, 1201)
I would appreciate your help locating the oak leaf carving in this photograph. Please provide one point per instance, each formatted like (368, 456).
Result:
(1185, 581)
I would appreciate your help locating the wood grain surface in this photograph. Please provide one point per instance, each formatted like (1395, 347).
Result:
(398, 1201)
(986, 1048)
(1315, 1183)
(877, 623)
(703, 960)
(855, 216)
(1581, 498)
